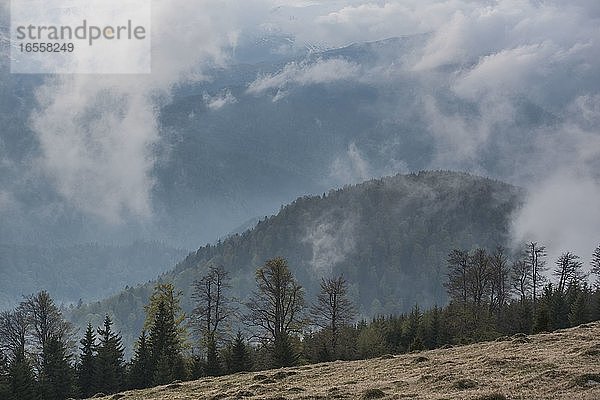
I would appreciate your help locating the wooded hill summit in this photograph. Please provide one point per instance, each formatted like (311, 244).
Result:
(388, 237)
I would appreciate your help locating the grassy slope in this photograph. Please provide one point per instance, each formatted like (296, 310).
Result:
(560, 365)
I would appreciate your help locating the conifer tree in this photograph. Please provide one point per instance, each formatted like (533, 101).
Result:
(543, 322)
(559, 314)
(57, 376)
(240, 356)
(166, 294)
(433, 332)
(283, 354)
(417, 344)
(142, 369)
(165, 346)
(22, 380)
(579, 313)
(5, 392)
(86, 371)
(213, 362)
(110, 368)
(596, 265)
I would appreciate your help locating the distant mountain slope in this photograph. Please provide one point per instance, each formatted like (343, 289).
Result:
(389, 237)
(87, 271)
(535, 367)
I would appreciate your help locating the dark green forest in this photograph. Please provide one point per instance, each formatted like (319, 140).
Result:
(388, 237)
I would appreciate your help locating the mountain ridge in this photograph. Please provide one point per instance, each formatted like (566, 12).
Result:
(389, 237)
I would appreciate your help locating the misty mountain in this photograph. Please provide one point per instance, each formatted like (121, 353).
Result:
(252, 137)
(87, 271)
(389, 238)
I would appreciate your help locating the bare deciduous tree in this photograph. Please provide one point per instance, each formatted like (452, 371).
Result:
(478, 276)
(499, 282)
(13, 333)
(213, 306)
(276, 307)
(333, 309)
(568, 270)
(458, 269)
(46, 320)
(521, 279)
(535, 259)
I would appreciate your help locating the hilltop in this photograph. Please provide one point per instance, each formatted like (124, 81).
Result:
(389, 237)
(560, 365)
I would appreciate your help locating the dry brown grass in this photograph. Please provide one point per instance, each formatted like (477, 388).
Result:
(560, 365)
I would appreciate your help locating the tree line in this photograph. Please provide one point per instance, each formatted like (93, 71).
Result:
(491, 294)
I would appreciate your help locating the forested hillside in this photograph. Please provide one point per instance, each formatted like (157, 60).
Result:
(87, 271)
(388, 237)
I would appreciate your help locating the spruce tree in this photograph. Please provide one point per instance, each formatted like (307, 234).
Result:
(56, 377)
(283, 354)
(433, 330)
(579, 313)
(596, 265)
(559, 310)
(22, 381)
(240, 357)
(5, 392)
(542, 318)
(213, 363)
(417, 344)
(86, 371)
(165, 347)
(142, 368)
(110, 368)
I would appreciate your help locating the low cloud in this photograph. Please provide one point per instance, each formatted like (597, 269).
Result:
(350, 167)
(561, 213)
(98, 134)
(331, 243)
(306, 73)
(96, 144)
(219, 100)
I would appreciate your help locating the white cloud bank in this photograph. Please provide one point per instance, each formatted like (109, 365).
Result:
(98, 133)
